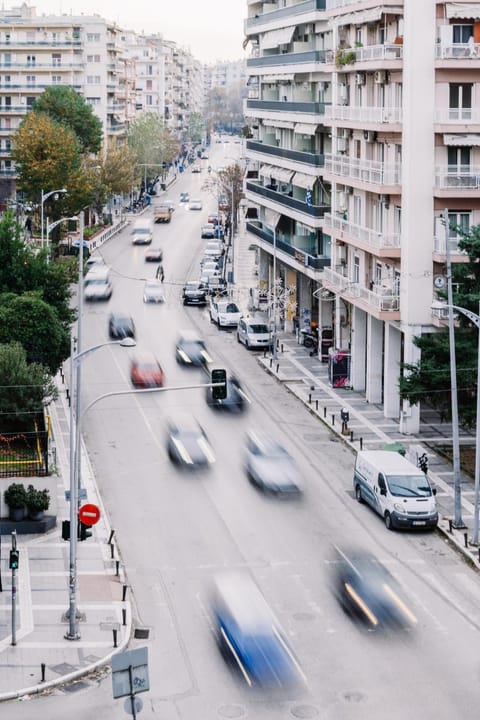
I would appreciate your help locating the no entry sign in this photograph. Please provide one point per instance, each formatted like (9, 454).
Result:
(89, 514)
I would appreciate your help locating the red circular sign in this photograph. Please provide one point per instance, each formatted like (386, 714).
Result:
(89, 514)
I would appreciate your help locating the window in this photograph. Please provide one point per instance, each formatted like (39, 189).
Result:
(7, 79)
(460, 101)
(356, 269)
(8, 101)
(93, 37)
(56, 79)
(378, 273)
(8, 145)
(93, 79)
(397, 219)
(93, 101)
(358, 36)
(56, 59)
(357, 209)
(149, 85)
(93, 58)
(458, 222)
(396, 282)
(30, 101)
(7, 59)
(31, 80)
(461, 33)
(149, 100)
(31, 60)
(149, 69)
(458, 159)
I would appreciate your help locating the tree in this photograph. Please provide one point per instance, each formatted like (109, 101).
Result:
(152, 144)
(25, 387)
(113, 173)
(222, 183)
(195, 127)
(429, 379)
(33, 323)
(66, 106)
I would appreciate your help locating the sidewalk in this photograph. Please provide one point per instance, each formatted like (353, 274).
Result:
(43, 591)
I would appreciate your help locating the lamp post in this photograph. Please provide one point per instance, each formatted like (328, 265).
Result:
(75, 466)
(45, 196)
(274, 288)
(475, 319)
(53, 225)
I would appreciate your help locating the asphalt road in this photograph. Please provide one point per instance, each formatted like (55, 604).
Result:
(176, 531)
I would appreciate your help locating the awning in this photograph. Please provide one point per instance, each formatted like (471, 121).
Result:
(304, 181)
(366, 16)
(251, 213)
(252, 80)
(286, 77)
(461, 140)
(304, 129)
(463, 11)
(284, 124)
(274, 38)
(271, 218)
(281, 174)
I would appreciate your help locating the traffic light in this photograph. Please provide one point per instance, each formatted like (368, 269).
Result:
(84, 531)
(65, 529)
(219, 376)
(14, 556)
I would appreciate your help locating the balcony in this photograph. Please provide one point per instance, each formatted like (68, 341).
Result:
(451, 180)
(298, 58)
(313, 211)
(308, 158)
(465, 116)
(440, 250)
(365, 171)
(379, 53)
(316, 262)
(286, 106)
(458, 51)
(331, 4)
(285, 12)
(373, 241)
(381, 302)
(372, 115)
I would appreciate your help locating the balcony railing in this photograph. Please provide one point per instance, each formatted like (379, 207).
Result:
(440, 246)
(461, 177)
(297, 155)
(297, 9)
(314, 261)
(309, 56)
(369, 171)
(316, 211)
(462, 115)
(363, 114)
(388, 51)
(381, 299)
(313, 108)
(454, 51)
(372, 238)
(331, 4)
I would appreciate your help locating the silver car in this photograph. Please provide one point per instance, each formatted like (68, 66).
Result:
(269, 466)
(254, 334)
(153, 292)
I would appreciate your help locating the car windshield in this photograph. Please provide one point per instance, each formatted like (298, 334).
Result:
(152, 285)
(99, 281)
(257, 329)
(229, 308)
(409, 485)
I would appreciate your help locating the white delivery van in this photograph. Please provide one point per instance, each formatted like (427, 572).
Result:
(395, 488)
(142, 233)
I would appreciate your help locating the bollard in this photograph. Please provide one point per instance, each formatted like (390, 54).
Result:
(114, 638)
(281, 347)
(271, 362)
(67, 393)
(278, 368)
(124, 593)
(117, 567)
(333, 419)
(124, 616)
(361, 443)
(309, 398)
(316, 405)
(351, 435)
(264, 354)
(324, 411)
(43, 666)
(112, 551)
(450, 527)
(465, 539)
(109, 541)
(479, 555)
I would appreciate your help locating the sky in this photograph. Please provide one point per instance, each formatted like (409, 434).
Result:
(211, 29)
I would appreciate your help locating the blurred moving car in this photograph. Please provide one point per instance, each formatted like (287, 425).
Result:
(153, 292)
(120, 326)
(184, 197)
(94, 260)
(224, 313)
(236, 400)
(208, 230)
(254, 334)
(195, 205)
(162, 213)
(187, 443)
(369, 593)
(196, 169)
(97, 285)
(249, 635)
(194, 293)
(269, 466)
(154, 254)
(146, 371)
(213, 218)
(190, 349)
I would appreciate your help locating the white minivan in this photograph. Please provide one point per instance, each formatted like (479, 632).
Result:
(396, 489)
(254, 333)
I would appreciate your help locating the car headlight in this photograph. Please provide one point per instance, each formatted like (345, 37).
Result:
(400, 508)
(184, 356)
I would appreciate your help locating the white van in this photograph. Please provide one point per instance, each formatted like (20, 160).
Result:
(395, 488)
(97, 285)
(142, 233)
(254, 333)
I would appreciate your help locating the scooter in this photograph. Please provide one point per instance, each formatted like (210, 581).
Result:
(310, 340)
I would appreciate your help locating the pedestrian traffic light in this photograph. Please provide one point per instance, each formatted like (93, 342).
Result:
(65, 529)
(14, 555)
(220, 391)
(84, 531)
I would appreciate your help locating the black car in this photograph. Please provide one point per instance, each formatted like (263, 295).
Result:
(184, 197)
(368, 592)
(194, 293)
(187, 443)
(120, 326)
(236, 400)
(190, 350)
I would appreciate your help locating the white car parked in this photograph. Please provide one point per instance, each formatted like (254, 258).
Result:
(224, 313)
(254, 333)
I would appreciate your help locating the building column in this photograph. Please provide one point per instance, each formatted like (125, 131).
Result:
(358, 349)
(391, 392)
(410, 414)
(373, 388)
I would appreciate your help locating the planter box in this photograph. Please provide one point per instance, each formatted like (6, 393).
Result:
(28, 527)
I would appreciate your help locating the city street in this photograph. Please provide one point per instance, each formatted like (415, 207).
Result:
(177, 530)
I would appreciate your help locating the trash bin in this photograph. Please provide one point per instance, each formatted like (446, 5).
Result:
(396, 447)
(163, 186)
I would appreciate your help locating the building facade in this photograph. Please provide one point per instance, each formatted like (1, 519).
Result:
(384, 93)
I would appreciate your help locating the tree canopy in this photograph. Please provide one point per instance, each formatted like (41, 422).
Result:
(152, 143)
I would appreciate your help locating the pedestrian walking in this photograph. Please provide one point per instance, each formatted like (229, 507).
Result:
(160, 273)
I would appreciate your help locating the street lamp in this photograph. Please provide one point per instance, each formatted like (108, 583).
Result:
(45, 196)
(475, 319)
(53, 225)
(75, 476)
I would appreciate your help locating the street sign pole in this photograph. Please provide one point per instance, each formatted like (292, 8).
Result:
(14, 592)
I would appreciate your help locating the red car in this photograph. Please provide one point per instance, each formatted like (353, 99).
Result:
(145, 371)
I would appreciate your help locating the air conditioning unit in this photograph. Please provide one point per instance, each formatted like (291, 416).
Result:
(360, 78)
(342, 202)
(370, 136)
(349, 190)
(342, 253)
(341, 144)
(380, 77)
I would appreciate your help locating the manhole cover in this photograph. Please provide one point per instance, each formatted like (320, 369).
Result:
(141, 633)
(304, 616)
(304, 711)
(231, 711)
(63, 668)
(353, 696)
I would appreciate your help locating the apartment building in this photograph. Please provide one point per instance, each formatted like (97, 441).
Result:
(183, 87)
(397, 141)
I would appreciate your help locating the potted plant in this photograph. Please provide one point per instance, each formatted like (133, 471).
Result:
(37, 502)
(16, 498)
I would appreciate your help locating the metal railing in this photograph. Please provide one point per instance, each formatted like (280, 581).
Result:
(288, 201)
(286, 106)
(364, 114)
(293, 58)
(463, 177)
(452, 115)
(297, 9)
(314, 261)
(308, 158)
(388, 51)
(381, 299)
(373, 238)
(457, 51)
(369, 171)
